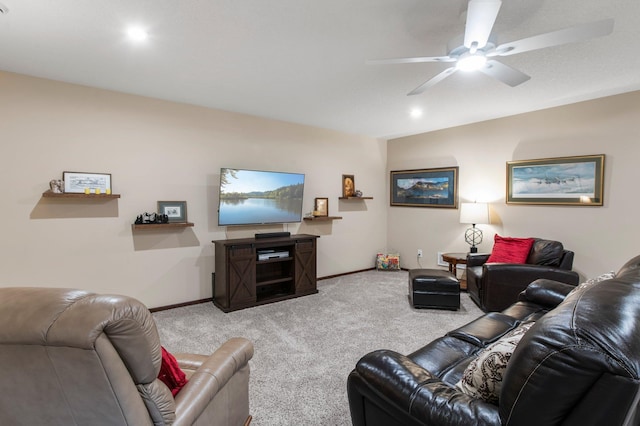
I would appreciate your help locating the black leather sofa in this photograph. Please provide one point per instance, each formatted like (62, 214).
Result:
(578, 365)
(494, 286)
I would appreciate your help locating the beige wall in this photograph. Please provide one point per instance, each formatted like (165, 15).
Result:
(603, 238)
(157, 150)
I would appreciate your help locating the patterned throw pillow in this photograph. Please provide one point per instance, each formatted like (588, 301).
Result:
(483, 376)
(388, 262)
(588, 283)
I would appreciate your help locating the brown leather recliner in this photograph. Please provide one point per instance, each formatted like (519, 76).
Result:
(494, 286)
(71, 357)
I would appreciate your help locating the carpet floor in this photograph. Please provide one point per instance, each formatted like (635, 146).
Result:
(306, 347)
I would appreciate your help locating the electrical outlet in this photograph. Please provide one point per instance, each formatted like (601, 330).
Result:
(419, 252)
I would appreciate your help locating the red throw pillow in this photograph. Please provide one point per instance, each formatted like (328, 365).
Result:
(170, 373)
(510, 250)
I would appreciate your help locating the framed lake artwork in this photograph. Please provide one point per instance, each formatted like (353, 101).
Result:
(575, 181)
(425, 188)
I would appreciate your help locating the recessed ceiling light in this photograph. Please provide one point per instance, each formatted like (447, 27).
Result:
(416, 113)
(137, 33)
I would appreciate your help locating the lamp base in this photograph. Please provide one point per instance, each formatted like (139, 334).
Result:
(473, 236)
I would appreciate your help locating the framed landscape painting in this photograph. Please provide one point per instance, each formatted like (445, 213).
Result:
(425, 188)
(575, 181)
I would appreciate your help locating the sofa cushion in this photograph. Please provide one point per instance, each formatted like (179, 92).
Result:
(546, 252)
(510, 250)
(483, 376)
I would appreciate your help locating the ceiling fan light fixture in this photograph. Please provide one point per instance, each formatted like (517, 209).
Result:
(471, 62)
(137, 34)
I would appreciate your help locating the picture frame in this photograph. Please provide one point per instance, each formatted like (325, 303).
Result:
(571, 181)
(80, 182)
(321, 207)
(348, 186)
(176, 211)
(436, 187)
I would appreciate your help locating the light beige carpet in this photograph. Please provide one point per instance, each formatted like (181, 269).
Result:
(306, 347)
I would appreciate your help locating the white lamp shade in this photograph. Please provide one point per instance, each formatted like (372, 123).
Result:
(474, 213)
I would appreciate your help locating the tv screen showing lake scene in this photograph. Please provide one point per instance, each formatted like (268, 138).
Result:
(250, 197)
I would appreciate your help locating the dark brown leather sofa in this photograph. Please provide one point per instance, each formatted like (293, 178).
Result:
(578, 365)
(494, 286)
(70, 357)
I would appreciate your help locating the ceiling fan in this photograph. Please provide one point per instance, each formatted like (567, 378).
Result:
(478, 50)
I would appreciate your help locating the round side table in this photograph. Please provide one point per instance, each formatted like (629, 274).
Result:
(455, 259)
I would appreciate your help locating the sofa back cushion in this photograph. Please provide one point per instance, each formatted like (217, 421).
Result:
(546, 252)
(510, 250)
(582, 356)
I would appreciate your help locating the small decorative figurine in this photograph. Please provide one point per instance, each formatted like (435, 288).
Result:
(57, 186)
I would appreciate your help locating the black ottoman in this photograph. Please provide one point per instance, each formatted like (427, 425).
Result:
(434, 288)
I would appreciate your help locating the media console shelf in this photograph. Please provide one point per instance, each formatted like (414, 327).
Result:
(251, 272)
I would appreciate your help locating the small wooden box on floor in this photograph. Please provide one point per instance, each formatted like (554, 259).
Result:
(433, 288)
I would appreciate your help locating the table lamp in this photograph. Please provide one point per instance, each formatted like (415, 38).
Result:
(474, 213)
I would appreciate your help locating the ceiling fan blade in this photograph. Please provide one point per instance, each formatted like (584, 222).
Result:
(504, 73)
(555, 38)
(438, 78)
(411, 60)
(481, 15)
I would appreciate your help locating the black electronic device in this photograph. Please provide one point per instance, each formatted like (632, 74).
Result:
(273, 255)
(272, 235)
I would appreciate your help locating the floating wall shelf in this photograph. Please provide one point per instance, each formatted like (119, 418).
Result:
(322, 218)
(162, 225)
(355, 198)
(50, 194)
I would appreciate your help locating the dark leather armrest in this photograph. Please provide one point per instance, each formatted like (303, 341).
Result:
(517, 273)
(477, 259)
(546, 292)
(423, 396)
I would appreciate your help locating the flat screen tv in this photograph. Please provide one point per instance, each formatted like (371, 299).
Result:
(254, 197)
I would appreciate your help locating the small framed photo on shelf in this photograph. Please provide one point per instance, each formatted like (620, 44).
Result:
(87, 183)
(348, 185)
(321, 207)
(176, 211)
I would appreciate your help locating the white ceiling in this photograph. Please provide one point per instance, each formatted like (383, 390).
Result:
(303, 61)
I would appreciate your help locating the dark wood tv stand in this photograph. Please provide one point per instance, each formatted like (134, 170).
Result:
(242, 280)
